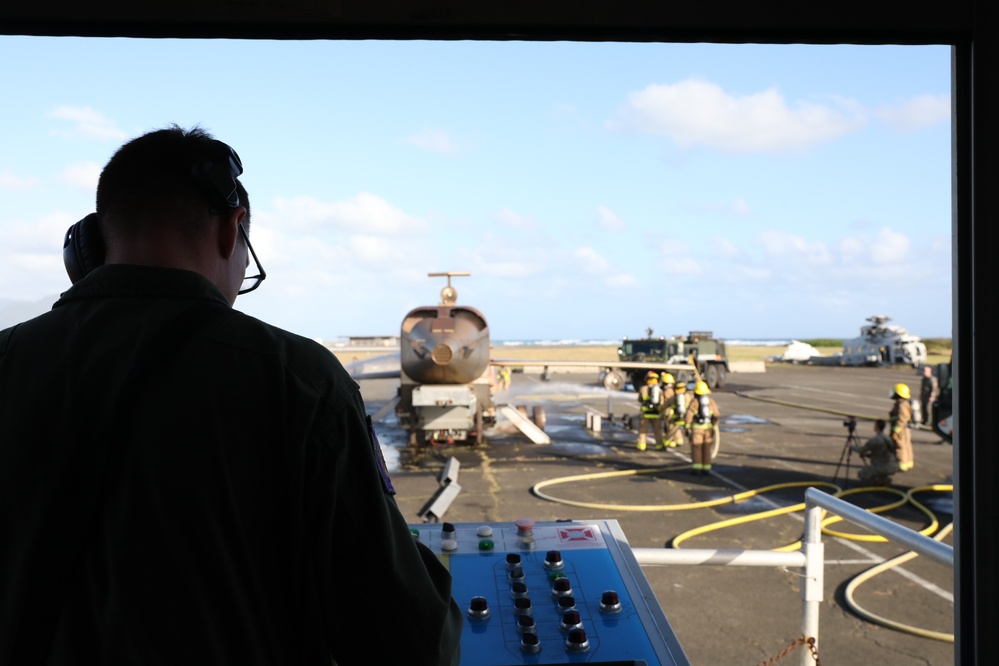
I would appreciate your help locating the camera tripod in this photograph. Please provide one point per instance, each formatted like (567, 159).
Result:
(851, 440)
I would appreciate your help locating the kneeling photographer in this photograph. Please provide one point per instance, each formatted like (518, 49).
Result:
(882, 460)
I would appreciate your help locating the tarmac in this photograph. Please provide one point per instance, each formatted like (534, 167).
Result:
(785, 425)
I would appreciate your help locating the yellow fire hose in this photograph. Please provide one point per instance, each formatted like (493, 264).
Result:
(905, 498)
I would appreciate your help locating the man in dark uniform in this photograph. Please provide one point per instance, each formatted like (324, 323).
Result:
(181, 483)
(929, 388)
(879, 452)
(702, 419)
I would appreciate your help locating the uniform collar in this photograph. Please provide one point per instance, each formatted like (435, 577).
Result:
(126, 280)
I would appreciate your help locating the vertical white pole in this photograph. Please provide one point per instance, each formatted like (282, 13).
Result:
(812, 584)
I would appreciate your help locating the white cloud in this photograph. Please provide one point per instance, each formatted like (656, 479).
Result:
(916, 113)
(505, 269)
(782, 245)
(752, 273)
(609, 220)
(9, 181)
(88, 123)
(725, 248)
(31, 257)
(677, 259)
(621, 280)
(509, 218)
(503, 255)
(681, 265)
(738, 207)
(374, 249)
(83, 175)
(701, 113)
(311, 268)
(591, 261)
(886, 248)
(436, 141)
(364, 212)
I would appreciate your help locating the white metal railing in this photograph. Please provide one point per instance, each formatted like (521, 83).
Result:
(811, 557)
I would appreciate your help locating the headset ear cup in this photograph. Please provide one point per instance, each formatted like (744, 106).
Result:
(83, 248)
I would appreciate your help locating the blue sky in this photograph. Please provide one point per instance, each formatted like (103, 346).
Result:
(591, 189)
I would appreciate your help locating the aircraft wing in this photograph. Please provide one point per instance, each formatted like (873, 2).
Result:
(385, 366)
(631, 365)
(384, 374)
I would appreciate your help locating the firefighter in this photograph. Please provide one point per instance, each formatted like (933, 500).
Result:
(668, 386)
(879, 452)
(650, 397)
(701, 420)
(505, 375)
(901, 417)
(674, 410)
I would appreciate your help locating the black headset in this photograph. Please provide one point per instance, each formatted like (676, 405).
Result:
(83, 247)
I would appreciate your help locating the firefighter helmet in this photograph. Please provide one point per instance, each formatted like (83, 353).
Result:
(667, 378)
(651, 376)
(701, 388)
(902, 391)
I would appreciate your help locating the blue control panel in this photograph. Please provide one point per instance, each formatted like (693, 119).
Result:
(551, 593)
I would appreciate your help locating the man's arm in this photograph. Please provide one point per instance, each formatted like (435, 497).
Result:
(373, 573)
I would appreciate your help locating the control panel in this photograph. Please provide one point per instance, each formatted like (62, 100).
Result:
(546, 593)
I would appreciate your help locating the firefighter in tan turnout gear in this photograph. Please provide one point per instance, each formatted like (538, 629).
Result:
(650, 397)
(701, 420)
(900, 417)
(674, 412)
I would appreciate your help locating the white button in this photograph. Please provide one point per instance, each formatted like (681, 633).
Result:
(484, 531)
(449, 544)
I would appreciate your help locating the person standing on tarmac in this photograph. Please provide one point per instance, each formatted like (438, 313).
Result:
(669, 393)
(667, 384)
(505, 375)
(879, 451)
(701, 420)
(674, 415)
(929, 388)
(901, 417)
(650, 397)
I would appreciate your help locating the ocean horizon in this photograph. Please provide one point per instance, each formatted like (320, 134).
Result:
(588, 342)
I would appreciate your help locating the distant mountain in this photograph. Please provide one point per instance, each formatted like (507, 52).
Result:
(14, 312)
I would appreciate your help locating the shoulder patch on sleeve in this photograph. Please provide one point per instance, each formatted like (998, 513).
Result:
(376, 450)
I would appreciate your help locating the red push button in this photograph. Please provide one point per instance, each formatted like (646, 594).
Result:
(478, 608)
(609, 602)
(576, 641)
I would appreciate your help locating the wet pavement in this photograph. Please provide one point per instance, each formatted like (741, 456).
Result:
(778, 427)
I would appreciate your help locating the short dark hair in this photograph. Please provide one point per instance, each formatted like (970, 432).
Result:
(879, 425)
(155, 172)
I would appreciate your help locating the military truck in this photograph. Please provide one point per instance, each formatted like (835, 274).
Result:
(708, 356)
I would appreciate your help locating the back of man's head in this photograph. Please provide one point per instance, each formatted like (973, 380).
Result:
(172, 175)
(879, 425)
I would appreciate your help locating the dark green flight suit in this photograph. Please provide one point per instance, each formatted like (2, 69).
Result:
(183, 484)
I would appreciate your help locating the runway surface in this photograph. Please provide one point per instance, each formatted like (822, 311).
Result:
(781, 426)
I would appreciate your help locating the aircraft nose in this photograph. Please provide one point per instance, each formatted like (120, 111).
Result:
(442, 354)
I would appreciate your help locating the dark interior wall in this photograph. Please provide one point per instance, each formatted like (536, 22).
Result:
(969, 25)
(778, 21)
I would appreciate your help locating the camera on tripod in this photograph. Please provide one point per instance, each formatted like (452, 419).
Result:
(852, 440)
